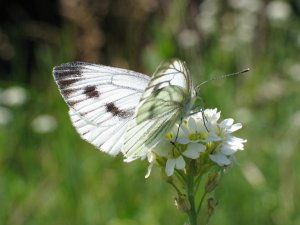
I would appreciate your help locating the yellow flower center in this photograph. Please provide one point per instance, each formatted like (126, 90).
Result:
(198, 136)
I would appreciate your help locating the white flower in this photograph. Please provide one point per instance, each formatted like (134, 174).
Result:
(221, 132)
(171, 164)
(294, 71)
(246, 5)
(278, 11)
(188, 38)
(206, 20)
(192, 152)
(44, 124)
(13, 96)
(195, 136)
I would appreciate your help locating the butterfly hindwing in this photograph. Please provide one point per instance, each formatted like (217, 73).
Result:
(108, 139)
(166, 99)
(161, 103)
(140, 137)
(102, 100)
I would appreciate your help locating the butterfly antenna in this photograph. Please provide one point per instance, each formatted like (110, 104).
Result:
(224, 76)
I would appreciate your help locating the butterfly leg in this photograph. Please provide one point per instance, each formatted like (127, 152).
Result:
(173, 142)
(178, 130)
(204, 119)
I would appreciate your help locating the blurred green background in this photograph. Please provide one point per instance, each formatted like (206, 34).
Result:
(48, 175)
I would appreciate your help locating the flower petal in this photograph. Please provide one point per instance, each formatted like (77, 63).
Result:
(234, 127)
(234, 140)
(193, 150)
(235, 143)
(220, 159)
(192, 125)
(129, 159)
(170, 165)
(212, 114)
(226, 150)
(149, 170)
(163, 148)
(180, 163)
(183, 131)
(212, 137)
(226, 123)
(183, 140)
(190, 153)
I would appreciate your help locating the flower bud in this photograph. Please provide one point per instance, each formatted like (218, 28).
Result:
(212, 181)
(182, 204)
(211, 205)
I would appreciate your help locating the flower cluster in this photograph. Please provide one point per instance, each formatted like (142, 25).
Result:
(200, 139)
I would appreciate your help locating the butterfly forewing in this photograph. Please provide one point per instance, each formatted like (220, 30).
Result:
(102, 100)
(94, 90)
(166, 99)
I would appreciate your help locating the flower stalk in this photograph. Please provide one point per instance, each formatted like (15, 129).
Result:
(190, 190)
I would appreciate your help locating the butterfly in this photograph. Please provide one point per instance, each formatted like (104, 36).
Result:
(119, 110)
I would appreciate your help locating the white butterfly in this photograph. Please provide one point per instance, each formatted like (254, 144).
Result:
(121, 110)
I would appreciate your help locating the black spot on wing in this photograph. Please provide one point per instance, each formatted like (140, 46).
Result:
(63, 83)
(110, 107)
(66, 92)
(91, 92)
(68, 72)
(72, 69)
(72, 103)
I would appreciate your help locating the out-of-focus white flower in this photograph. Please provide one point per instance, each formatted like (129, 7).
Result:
(278, 11)
(271, 90)
(5, 115)
(196, 136)
(246, 5)
(13, 96)
(206, 19)
(253, 175)
(44, 124)
(244, 115)
(294, 71)
(188, 38)
(246, 23)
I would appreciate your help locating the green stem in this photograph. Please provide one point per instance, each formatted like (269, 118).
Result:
(197, 181)
(190, 189)
(180, 176)
(176, 188)
(201, 201)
